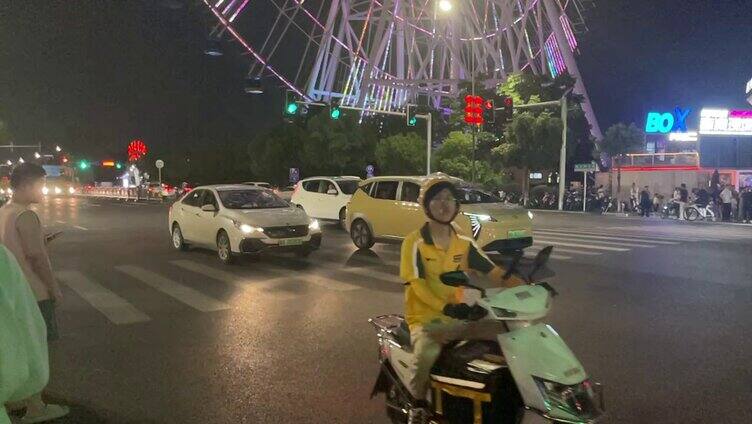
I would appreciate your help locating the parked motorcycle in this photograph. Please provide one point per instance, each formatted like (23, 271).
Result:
(527, 376)
(670, 210)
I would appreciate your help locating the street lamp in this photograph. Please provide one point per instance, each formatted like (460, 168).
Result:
(445, 5)
(9, 162)
(20, 160)
(37, 155)
(58, 149)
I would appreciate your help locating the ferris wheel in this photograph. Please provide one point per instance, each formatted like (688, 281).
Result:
(382, 54)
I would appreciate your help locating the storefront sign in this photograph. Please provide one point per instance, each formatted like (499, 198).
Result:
(665, 123)
(749, 86)
(586, 167)
(683, 136)
(725, 122)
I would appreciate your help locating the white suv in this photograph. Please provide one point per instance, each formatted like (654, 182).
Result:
(325, 197)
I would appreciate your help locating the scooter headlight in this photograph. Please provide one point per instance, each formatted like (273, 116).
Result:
(578, 399)
(45, 190)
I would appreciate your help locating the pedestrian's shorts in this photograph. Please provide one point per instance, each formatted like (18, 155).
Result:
(47, 307)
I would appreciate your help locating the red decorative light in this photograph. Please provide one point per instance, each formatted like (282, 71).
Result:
(136, 150)
(474, 109)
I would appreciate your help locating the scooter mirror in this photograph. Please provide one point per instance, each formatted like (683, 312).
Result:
(540, 261)
(454, 278)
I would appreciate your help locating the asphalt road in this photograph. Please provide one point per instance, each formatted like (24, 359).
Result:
(657, 311)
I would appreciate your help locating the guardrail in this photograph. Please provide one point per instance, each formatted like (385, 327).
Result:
(133, 194)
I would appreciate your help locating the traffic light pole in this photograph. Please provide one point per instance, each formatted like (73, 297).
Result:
(426, 117)
(563, 104)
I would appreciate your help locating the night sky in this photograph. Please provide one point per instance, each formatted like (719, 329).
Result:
(92, 75)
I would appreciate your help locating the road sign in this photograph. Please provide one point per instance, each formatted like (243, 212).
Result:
(294, 175)
(586, 167)
(369, 171)
(159, 163)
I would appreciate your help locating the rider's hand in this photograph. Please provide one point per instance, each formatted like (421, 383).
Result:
(457, 310)
(514, 280)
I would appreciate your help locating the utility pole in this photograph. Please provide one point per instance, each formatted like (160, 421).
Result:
(564, 105)
(472, 128)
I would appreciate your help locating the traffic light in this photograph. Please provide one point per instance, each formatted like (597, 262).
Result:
(473, 110)
(508, 108)
(83, 165)
(291, 105)
(412, 118)
(118, 165)
(489, 111)
(334, 111)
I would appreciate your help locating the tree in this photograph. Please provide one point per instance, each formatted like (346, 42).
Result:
(341, 147)
(454, 157)
(619, 140)
(401, 154)
(274, 152)
(530, 142)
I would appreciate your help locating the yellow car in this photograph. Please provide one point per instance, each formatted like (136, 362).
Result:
(386, 208)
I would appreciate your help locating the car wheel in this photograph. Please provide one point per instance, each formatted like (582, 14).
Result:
(177, 239)
(361, 235)
(224, 251)
(343, 218)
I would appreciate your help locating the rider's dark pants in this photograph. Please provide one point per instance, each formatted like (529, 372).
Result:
(726, 211)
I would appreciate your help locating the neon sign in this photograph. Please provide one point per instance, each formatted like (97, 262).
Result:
(725, 122)
(665, 123)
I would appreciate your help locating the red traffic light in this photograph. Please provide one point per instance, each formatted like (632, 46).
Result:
(508, 101)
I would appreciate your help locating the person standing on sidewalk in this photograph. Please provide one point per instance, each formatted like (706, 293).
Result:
(726, 197)
(24, 361)
(645, 202)
(746, 205)
(683, 199)
(21, 233)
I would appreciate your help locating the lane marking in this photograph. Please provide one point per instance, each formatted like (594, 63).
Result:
(317, 280)
(666, 237)
(115, 308)
(81, 228)
(538, 246)
(187, 295)
(227, 277)
(601, 242)
(60, 222)
(586, 246)
(635, 239)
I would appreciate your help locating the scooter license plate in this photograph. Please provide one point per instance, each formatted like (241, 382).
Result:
(516, 233)
(291, 242)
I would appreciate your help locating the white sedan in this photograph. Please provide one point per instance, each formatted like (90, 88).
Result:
(241, 219)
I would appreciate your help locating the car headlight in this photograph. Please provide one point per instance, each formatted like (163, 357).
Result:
(578, 399)
(2, 191)
(480, 217)
(57, 190)
(247, 229)
(314, 225)
(530, 215)
(71, 190)
(45, 190)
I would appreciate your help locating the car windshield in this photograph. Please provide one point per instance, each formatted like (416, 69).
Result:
(470, 196)
(348, 186)
(251, 199)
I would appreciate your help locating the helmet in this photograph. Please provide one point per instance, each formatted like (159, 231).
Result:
(431, 187)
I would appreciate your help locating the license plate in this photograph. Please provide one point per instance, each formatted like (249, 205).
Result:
(291, 242)
(517, 234)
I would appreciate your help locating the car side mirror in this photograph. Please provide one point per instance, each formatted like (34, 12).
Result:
(332, 192)
(208, 208)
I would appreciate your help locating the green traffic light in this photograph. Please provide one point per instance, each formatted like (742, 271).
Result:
(413, 121)
(292, 108)
(119, 165)
(335, 113)
(83, 165)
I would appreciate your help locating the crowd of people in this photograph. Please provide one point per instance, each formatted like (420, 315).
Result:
(727, 203)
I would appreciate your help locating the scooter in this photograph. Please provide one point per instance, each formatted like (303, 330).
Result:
(670, 210)
(527, 376)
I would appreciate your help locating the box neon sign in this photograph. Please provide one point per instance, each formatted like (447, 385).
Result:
(665, 123)
(725, 122)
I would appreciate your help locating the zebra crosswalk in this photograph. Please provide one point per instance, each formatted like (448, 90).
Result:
(337, 270)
